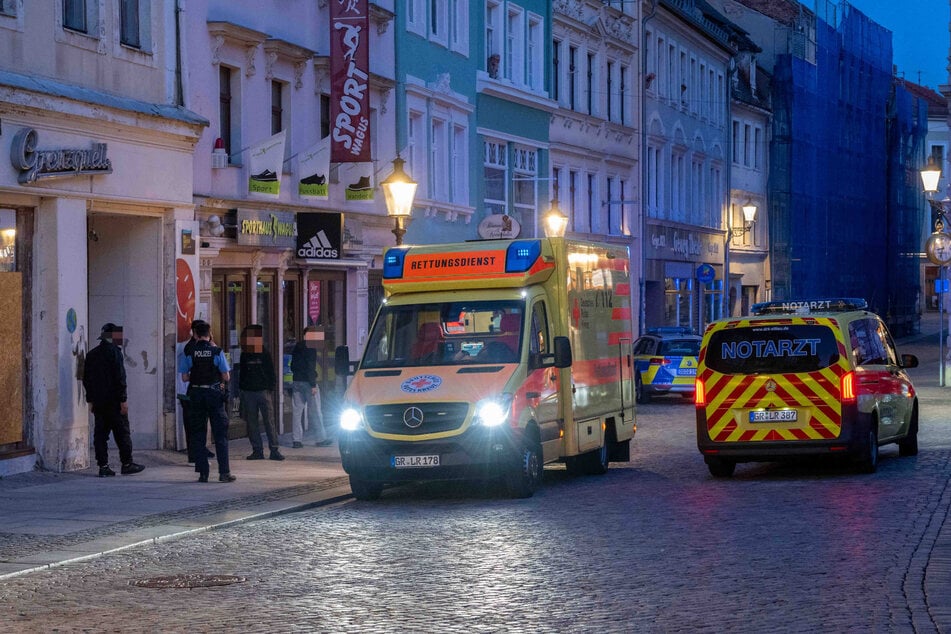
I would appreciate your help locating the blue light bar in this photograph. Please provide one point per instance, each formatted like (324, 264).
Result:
(521, 255)
(393, 264)
(808, 306)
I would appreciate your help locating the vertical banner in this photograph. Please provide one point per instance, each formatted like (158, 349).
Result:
(186, 303)
(265, 165)
(314, 166)
(313, 302)
(349, 81)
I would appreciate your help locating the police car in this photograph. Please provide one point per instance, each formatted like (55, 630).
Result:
(817, 377)
(665, 362)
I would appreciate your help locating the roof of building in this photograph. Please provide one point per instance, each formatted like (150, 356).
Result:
(937, 104)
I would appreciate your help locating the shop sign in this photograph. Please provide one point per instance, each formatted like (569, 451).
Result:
(33, 164)
(675, 243)
(350, 81)
(319, 236)
(267, 228)
(499, 226)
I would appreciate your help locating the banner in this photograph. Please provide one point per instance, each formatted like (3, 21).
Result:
(357, 179)
(187, 305)
(265, 165)
(314, 167)
(349, 81)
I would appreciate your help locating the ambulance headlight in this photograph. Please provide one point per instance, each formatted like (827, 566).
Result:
(351, 419)
(492, 412)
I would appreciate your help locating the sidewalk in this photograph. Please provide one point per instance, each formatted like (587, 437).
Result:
(49, 519)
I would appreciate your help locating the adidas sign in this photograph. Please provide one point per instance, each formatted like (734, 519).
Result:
(318, 247)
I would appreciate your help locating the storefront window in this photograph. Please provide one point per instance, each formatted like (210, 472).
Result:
(8, 235)
(679, 304)
(712, 301)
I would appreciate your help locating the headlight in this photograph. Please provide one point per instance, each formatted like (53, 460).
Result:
(492, 412)
(350, 419)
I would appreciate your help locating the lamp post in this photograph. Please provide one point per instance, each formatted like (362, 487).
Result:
(399, 190)
(938, 250)
(749, 217)
(556, 222)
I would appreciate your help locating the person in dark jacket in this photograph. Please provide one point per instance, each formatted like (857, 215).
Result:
(256, 378)
(186, 413)
(305, 390)
(105, 385)
(207, 372)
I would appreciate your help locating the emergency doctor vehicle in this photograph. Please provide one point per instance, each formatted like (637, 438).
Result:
(817, 377)
(490, 359)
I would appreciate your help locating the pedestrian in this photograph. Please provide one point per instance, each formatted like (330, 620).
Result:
(256, 379)
(306, 394)
(105, 385)
(207, 373)
(186, 415)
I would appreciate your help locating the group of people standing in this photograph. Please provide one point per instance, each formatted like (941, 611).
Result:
(205, 368)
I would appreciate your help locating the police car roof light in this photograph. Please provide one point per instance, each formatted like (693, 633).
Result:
(807, 306)
(670, 330)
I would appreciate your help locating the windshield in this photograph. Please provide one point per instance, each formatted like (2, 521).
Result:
(774, 349)
(445, 334)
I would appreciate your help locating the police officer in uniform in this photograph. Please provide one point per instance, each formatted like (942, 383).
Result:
(206, 371)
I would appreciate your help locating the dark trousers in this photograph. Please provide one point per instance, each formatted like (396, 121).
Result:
(109, 419)
(253, 404)
(208, 404)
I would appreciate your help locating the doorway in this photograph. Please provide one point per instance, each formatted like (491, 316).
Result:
(230, 311)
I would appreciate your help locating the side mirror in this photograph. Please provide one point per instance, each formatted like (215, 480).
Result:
(909, 361)
(342, 364)
(562, 352)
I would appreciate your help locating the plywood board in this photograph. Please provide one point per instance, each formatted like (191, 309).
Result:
(11, 358)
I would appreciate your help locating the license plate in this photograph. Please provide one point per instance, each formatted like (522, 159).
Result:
(774, 415)
(686, 371)
(403, 462)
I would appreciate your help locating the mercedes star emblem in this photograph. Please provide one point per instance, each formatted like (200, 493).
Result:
(413, 417)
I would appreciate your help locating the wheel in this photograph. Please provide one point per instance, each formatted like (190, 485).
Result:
(596, 462)
(908, 446)
(640, 393)
(364, 489)
(526, 476)
(720, 468)
(867, 459)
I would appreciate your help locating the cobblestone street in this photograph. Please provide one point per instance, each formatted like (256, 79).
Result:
(655, 545)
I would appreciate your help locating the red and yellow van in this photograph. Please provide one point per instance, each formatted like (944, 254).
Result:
(803, 378)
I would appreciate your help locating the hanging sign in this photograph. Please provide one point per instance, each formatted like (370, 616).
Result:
(350, 81)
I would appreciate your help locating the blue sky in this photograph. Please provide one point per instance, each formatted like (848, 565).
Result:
(919, 35)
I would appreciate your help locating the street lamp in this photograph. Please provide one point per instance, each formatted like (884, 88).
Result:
(556, 222)
(749, 217)
(938, 249)
(399, 190)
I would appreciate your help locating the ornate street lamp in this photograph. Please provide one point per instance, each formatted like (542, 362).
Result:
(937, 248)
(399, 190)
(556, 222)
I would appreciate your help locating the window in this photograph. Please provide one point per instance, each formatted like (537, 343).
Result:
(224, 106)
(736, 142)
(592, 204)
(556, 70)
(459, 25)
(555, 182)
(439, 161)
(534, 53)
(74, 15)
(757, 147)
(573, 198)
(623, 96)
(129, 23)
(459, 161)
(653, 180)
(678, 188)
(438, 21)
(538, 344)
(416, 17)
(8, 7)
(416, 150)
(514, 54)
(609, 113)
(747, 145)
(572, 77)
(589, 85)
(525, 173)
(495, 172)
(493, 37)
(324, 116)
(277, 107)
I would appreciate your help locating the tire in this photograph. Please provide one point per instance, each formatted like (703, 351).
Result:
(596, 462)
(720, 468)
(908, 446)
(526, 476)
(364, 489)
(640, 393)
(867, 460)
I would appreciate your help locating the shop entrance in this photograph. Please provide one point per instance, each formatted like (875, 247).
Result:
(315, 298)
(230, 311)
(124, 287)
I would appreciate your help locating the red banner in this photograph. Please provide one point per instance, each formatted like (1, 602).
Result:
(313, 301)
(350, 81)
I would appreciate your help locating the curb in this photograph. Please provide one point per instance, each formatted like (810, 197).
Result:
(325, 498)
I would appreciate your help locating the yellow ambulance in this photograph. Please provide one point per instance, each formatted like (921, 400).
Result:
(490, 359)
(815, 377)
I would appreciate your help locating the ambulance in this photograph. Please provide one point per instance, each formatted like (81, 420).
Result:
(815, 377)
(488, 360)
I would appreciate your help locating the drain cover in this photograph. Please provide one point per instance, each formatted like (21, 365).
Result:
(187, 581)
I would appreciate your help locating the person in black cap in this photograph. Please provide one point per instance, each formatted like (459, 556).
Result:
(256, 377)
(186, 410)
(104, 382)
(207, 372)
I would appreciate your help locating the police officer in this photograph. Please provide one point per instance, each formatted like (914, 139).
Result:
(206, 371)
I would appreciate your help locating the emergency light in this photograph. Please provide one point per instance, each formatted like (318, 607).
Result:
(805, 307)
